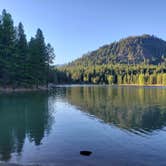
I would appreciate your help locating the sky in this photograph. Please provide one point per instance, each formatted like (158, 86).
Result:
(75, 27)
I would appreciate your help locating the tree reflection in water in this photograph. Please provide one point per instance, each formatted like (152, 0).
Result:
(31, 115)
(21, 116)
(136, 109)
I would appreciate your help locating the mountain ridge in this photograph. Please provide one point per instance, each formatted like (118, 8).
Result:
(144, 48)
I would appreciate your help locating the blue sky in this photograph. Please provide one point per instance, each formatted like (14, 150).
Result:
(75, 27)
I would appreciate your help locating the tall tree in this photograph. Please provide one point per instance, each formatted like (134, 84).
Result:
(32, 62)
(50, 55)
(7, 43)
(22, 63)
(1, 58)
(21, 55)
(38, 59)
(41, 57)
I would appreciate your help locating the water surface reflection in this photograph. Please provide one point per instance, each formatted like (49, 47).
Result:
(119, 125)
(131, 108)
(22, 115)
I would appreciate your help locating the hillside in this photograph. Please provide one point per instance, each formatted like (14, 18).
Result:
(132, 50)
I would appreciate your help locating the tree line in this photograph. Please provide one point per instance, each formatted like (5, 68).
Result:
(23, 63)
(113, 74)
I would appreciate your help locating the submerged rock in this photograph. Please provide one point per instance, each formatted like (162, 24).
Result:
(85, 153)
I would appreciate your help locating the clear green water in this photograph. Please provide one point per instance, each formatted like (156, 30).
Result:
(120, 125)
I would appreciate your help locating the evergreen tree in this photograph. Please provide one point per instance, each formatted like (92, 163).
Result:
(7, 50)
(41, 57)
(38, 60)
(1, 58)
(22, 63)
(21, 56)
(50, 55)
(32, 63)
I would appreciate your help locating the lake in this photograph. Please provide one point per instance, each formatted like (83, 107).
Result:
(119, 125)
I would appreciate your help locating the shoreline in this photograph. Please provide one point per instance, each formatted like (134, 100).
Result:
(42, 88)
(144, 85)
(132, 85)
(8, 89)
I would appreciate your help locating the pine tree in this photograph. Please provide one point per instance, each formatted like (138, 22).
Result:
(21, 56)
(1, 58)
(41, 56)
(50, 55)
(7, 50)
(38, 60)
(32, 63)
(22, 63)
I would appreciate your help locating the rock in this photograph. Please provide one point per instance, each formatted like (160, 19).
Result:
(85, 153)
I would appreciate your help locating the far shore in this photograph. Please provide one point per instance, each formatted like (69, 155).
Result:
(132, 85)
(44, 88)
(144, 85)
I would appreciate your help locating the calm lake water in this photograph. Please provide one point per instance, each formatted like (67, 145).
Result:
(119, 125)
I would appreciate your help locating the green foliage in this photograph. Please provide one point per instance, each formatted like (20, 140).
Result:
(141, 79)
(7, 49)
(115, 74)
(139, 60)
(23, 63)
(110, 79)
(164, 79)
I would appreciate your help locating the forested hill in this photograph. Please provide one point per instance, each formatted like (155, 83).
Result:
(139, 60)
(145, 49)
